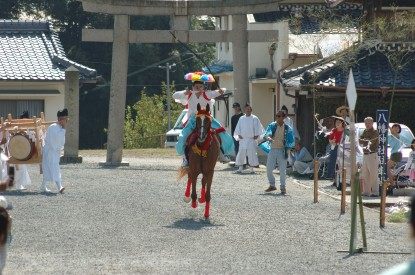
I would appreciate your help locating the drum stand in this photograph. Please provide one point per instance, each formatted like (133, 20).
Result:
(35, 124)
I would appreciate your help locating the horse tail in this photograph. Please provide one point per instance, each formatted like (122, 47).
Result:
(181, 172)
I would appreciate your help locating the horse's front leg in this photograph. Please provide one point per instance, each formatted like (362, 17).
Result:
(187, 192)
(194, 194)
(209, 178)
(202, 198)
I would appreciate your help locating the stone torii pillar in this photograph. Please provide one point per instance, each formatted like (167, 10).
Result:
(118, 91)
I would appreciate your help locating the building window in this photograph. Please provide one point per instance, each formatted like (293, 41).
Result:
(17, 107)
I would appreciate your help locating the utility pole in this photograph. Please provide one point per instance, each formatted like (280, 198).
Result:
(168, 67)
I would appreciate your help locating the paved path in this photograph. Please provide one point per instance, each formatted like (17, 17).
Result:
(133, 220)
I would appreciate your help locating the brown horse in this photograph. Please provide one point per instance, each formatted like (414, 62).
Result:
(203, 154)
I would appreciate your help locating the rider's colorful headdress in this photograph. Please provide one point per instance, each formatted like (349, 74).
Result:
(199, 76)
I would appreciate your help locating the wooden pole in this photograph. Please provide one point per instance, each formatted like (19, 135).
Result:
(383, 204)
(315, 181)
(353, 218)
(362, 218)
(343, 198)
(354, 185)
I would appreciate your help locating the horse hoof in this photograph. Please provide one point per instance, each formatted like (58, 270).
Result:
(187, 199)
(202, 200)
(207, 217)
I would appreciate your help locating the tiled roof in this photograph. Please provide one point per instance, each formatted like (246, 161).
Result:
(31, 50)
(385, 3)
(371, 69)
(314, 18)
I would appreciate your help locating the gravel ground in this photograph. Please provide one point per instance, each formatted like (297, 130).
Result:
(133, 220)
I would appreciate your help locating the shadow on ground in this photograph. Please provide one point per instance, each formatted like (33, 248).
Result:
(192, 224)
(18, 193)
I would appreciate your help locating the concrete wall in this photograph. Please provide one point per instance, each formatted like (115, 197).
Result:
(53, 102)
(258, 52)
(262, 101)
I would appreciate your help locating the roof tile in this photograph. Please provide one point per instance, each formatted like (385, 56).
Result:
(31, 50)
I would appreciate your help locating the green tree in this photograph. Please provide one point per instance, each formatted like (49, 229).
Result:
(146, 120)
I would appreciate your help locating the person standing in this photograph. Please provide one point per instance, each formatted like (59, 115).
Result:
(410, 164)
(247, 131)
(369, 140)
(22, 178)
(335, 137)
(51, 151)
(234, 121)
(281, 137)
(396, 143)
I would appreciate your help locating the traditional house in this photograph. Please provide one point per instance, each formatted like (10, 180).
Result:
(32, 69)
(383, 67)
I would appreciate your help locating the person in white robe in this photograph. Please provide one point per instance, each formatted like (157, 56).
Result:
(51, 152)
(22, 178)
(247, 131)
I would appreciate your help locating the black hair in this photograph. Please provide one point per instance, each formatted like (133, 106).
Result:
(399, 126)
(25, 114)
(282, 112)
(4, 225)
(412, 144)
(197, 82)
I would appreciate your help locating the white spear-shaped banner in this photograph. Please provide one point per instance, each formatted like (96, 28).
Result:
(351, 92)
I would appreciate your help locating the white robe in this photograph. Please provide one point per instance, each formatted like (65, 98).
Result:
(21, 178)
(54, 142)
(193, 100)
(248, 127)
(3, 159)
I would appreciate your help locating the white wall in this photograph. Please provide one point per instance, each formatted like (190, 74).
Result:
(262, 101)
(53, 102)
(258, 52)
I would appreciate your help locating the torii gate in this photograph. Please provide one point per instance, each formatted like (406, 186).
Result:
(179, 11)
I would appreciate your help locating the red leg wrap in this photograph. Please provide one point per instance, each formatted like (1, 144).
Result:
(207, 210)
(187, 192)
(202, 195)
(194, 204)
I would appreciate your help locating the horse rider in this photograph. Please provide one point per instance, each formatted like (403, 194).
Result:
(191, 98)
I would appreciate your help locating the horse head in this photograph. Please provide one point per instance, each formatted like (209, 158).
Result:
(203, 122)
